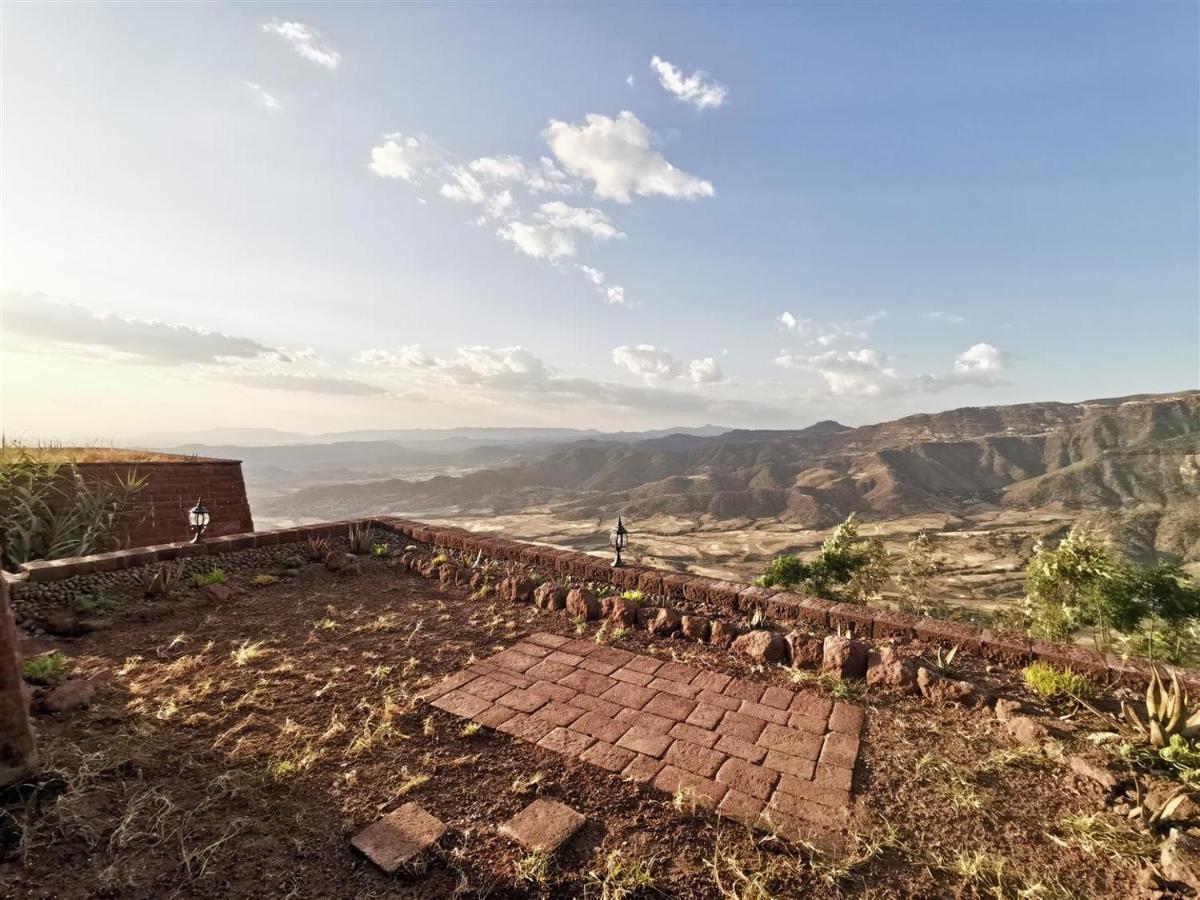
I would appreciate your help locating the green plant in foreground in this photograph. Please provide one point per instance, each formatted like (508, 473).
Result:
(1183, 756)
(635, 596)
(439, 559)
(204, 579)
(317, 548)
(98, 604)
(263, 580)
(161, 580)
(534, 869)
(1054, 683)
(381, 549)
(47, 669)
(942, 661)
(1168, 713)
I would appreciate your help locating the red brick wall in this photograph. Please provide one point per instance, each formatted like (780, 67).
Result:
(172, 488)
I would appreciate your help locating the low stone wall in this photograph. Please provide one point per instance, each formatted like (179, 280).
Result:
(672, 588)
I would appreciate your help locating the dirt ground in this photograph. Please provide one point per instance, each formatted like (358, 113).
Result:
(236, 747)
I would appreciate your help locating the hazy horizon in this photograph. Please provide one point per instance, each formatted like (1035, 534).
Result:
(331, 217)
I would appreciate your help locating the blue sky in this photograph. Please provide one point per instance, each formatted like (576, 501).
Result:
(954, 204)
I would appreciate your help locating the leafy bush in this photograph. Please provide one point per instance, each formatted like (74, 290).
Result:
(1054, 683)
(47, 669)
(47, 511)
(203, 579)
(784, 571)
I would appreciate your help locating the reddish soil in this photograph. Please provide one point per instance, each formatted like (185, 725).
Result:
(235, 748)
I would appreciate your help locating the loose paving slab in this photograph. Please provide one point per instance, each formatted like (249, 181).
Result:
(771, 758)
(399, 837)
(543, 825)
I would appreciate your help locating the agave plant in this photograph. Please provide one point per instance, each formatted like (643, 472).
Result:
(1168, 712)
(362, 539)
(317, 548)
(161, 580)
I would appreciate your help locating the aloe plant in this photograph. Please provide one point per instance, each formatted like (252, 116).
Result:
(1168, 713)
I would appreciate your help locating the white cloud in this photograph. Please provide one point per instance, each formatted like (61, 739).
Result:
(543, 178)
(981, 359)
(653, 365)
(306, 41)
(412, 356)
(948, 318)
(695, 89)
(617, 156)
(826, 334)
(511, 375)
(612, 293)
(630, 80)
(125, 339)
(869, 373)
(411, 159)
(264, 99)
(554, 228)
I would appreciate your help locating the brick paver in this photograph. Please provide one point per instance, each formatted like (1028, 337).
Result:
(766, 757)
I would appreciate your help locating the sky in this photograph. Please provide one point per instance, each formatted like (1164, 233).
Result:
(321, 217)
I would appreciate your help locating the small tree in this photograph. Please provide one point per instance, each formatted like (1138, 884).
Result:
(918, 568)
(784, 571)
(1165, 599)
(871, 572)
(1080, 582)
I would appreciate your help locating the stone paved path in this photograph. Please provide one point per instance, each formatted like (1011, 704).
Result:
(767, 757)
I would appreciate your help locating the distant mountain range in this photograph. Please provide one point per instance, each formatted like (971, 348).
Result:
(1132, 464)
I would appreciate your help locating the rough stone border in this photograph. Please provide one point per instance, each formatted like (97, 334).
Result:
(735, 597)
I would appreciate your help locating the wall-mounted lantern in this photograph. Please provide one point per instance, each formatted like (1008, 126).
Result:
(198, 520)
(619, 539)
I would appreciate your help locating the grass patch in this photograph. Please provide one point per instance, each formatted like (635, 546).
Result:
(1057, 684)
(619, 878)
(204, 579)
(263, 580)
(1098, 835)
(534, 869)
(101, 604)
(47, 669)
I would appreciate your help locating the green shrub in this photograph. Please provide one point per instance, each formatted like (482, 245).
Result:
(100, 604)
(47, 669)
(203, 579)
(1053, 683)
(1183, 756)
(784, 571)
(635, 596)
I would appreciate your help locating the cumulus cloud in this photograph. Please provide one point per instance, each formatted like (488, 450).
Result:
(867, 372)
(653, 364)
(826, 334)
(264, 99)
(412, 356)
(514, 374)
(981, 359)
(554, 229)
(413, 158)
(313, 384)
(127, 339)
(695, 89)
(306, 41)
(541, 178)
(947, 317)
(618, 157)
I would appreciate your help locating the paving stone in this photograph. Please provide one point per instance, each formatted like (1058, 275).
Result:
(399, 837)
(566, 742)
(608, 756)
(670, 707)
(711, 681)
(740, 807)
(666, 685)
(642, 740)
(543, 825)
(642, 768)
(629, 695)
(522, 700)
(707, 792)
(748, 778)
(705, 716)
(768, 757)
(560, 714)
(702, 736)
(741, 749)
(694, 758)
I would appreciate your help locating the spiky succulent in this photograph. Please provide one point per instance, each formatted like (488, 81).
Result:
(1168, 712)
(318, 548)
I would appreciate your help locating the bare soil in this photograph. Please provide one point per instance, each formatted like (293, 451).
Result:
(235, 748)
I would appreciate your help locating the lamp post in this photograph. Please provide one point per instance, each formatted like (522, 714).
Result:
(198, 520)
(618, 539)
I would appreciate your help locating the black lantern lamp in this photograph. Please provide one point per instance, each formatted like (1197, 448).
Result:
(619, 539)
(198, 520)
